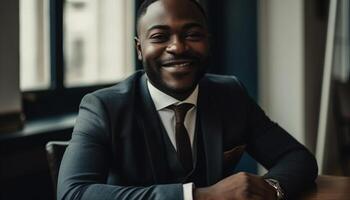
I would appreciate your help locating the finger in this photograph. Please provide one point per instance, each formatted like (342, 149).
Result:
(266, 191)
(256, 191)
(260, 187)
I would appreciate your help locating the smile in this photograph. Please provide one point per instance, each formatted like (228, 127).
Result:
(177, 62)
(186, 64)
(178, 67)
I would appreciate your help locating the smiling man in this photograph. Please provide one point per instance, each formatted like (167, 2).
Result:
(173, 46)
(174, 132)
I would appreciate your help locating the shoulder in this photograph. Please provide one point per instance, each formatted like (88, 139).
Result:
(116, 96)
(120, 90)
(222, 82)
(224, 90)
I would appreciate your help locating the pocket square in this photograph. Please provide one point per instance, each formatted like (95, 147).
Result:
(232, 156)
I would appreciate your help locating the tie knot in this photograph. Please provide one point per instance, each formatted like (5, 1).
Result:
(180, 111)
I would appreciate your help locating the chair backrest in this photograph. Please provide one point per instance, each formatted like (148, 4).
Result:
(54, 152)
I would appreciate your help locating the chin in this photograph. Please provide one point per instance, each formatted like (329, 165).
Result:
(183, 90)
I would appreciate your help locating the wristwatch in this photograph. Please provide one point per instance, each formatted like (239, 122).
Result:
(275, 184)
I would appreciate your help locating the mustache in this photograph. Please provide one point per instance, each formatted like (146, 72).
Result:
(177, 59)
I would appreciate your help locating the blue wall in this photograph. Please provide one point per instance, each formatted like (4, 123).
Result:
(233, 25)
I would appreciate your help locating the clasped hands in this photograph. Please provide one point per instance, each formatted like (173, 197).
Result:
(240, 186)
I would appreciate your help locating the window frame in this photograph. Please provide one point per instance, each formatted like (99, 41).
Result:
(57, 99)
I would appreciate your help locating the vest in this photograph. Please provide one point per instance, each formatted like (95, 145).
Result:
(176, 173)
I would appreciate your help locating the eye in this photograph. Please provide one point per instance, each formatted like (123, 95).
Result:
(194, 36)
(159, 37)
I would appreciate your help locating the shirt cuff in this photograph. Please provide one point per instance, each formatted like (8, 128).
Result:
(188, 191)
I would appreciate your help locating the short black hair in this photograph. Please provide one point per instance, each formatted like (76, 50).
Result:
(144, 5)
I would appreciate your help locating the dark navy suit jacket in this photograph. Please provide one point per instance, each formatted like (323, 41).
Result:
(116, 150)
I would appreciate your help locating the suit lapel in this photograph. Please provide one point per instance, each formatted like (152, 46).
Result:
(150, 122)
(211, 127)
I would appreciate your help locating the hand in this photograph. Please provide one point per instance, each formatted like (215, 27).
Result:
(240, 186)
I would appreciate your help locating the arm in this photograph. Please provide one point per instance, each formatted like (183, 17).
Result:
(240, 186)
(86, 162)
(286, 159)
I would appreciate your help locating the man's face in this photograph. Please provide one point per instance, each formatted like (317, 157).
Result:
(173, 46)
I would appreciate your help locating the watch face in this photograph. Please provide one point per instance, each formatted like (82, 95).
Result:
(274, 183)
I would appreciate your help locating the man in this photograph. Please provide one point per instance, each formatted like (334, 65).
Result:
(174, 132)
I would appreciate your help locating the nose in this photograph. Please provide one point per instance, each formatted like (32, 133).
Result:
(176, 46)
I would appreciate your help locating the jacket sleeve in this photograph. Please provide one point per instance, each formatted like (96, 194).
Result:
(284, 157)
(85, 166)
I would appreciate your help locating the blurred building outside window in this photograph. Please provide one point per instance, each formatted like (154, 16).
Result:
(97, 42)
(34, 45)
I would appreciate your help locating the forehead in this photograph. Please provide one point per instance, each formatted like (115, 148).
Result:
(171, 13)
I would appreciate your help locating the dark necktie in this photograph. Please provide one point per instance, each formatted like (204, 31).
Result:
(183, 143)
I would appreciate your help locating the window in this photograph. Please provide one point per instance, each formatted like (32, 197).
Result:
(34, 45)
(94, 42)
(71, 47)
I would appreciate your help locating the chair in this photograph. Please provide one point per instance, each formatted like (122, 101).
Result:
(54, 153)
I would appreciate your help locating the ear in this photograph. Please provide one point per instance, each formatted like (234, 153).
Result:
(138, 48)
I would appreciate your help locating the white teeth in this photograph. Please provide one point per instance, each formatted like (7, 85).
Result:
(181, 65)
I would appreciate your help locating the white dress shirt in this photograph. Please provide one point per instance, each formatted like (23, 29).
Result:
(167, 116)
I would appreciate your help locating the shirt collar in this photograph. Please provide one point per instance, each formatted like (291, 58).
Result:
(162, 100)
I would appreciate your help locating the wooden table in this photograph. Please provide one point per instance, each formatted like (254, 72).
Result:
(329, 188)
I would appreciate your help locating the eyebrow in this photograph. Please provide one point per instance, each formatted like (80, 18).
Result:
(193, 25)
(166, 27)
(163, 27)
